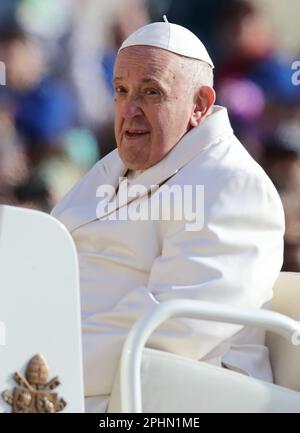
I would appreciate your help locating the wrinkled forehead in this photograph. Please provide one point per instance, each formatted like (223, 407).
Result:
(147, 60)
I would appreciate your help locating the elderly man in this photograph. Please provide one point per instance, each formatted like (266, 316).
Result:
(170, 136)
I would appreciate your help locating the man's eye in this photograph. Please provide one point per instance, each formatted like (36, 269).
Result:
(120, 89)
(152, 92)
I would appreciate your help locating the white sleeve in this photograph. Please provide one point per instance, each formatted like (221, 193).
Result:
(234, 260)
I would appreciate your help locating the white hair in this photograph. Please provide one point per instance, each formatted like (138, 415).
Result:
(200, 73)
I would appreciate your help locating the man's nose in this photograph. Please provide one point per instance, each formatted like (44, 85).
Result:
(131, 107)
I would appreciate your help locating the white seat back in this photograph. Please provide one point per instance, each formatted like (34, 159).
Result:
(39, 302)
(171, 383)
(284, 355)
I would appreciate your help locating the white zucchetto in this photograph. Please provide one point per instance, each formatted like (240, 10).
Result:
(170, 37)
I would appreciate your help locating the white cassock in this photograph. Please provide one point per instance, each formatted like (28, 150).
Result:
(128, 266)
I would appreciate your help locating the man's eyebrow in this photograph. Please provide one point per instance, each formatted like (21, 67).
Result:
(144, 81)
(151, 80)
(158, 83)
(117, 79)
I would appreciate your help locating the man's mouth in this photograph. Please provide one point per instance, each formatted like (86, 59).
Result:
(136, 133)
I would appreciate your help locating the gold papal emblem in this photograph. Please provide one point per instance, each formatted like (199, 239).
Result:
(34, 393)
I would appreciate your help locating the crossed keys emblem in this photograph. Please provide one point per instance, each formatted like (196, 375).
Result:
(34, 393)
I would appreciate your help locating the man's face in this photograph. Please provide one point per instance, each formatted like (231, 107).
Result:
(153, 104)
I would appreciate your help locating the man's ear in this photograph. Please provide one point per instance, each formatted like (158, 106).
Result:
(204, 100)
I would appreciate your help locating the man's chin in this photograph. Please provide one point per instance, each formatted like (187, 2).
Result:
(131, 162)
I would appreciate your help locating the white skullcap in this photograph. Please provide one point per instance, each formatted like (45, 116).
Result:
(171, 37)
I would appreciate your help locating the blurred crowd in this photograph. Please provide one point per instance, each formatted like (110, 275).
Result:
(56, 109)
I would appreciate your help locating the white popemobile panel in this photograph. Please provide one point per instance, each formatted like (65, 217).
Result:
(2, 334)
(39, 304)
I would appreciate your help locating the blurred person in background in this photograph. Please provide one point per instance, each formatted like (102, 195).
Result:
(43, 106)
(249, 47)
(43, 110)
(291, 203)
(281, 156)
(13, 160)
(281, 160)
(254, 77)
